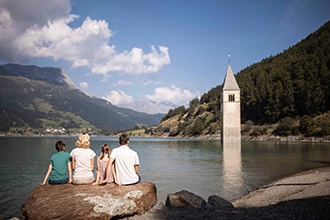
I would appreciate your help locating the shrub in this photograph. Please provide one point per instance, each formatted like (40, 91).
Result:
(286, 126)
(198, 127)
(306, 126)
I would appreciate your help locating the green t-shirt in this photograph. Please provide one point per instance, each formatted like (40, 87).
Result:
(59, 162)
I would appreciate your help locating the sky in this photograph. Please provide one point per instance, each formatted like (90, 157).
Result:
(169, 51)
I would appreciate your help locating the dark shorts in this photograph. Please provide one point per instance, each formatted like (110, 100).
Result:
(58, 181)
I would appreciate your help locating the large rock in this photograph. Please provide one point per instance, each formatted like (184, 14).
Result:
(88, 202)
(185, 199)
(219, 202)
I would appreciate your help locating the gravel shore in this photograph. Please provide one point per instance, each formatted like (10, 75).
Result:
(305, 195)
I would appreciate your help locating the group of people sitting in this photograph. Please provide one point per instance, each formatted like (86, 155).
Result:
(121, 165)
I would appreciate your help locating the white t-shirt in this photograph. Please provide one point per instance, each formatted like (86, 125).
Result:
(82, 163)
(125, 159)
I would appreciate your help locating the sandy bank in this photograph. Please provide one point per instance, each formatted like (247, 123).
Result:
(307, 184)
(305, 195)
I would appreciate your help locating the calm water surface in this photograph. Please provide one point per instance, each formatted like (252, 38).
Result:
(202, 167)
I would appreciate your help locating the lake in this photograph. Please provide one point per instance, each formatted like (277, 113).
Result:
(204, 167)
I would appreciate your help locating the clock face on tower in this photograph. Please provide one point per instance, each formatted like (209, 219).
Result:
(231, 107)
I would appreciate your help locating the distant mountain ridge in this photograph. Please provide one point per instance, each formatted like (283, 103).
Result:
(51, 75)
(35, 99)
(149, 107)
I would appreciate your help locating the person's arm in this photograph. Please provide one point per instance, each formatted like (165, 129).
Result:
(137, 169)
(108, 170)
(98, 163)
(50, 167)
(92, 161)
(97, 178)
(72, 163)
(113, 170)
(70, 172)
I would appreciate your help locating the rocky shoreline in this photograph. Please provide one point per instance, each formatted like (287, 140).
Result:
(268, 137)
(304, 195)
(286, 138)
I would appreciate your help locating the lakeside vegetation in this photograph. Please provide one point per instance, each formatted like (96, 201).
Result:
(287, 129)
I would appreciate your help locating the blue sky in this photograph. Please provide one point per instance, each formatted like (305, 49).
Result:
(145, 50)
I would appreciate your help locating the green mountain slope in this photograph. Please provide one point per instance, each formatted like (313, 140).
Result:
(33, 99)
(289, 90)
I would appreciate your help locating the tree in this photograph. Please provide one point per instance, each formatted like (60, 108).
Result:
(198, 127)
(286, 126)
(193, 104)
(306, 125)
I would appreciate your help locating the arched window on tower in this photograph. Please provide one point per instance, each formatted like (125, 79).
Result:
(231, 97)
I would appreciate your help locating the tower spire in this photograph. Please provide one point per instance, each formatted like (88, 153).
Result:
(231, 111)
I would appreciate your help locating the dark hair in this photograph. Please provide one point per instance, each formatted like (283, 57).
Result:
(105, 149)
(123, 139)
(60, 145)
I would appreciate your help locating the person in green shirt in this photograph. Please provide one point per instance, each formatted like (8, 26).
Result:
(59, 170)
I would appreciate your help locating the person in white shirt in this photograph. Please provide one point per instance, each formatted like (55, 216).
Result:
(126, 163)
(83, 161)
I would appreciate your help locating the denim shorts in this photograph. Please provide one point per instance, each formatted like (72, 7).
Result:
(58, 181)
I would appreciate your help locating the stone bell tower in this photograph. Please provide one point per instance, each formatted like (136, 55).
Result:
(231, 109)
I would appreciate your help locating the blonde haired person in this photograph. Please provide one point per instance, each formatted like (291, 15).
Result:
(102, 162)
(83, 161)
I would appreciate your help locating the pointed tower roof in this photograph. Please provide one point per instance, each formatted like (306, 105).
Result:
(230, 81)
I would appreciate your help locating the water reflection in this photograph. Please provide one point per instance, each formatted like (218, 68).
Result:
(232, 168)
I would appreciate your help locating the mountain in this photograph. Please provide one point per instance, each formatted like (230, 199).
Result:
(149, 107)
(286, 94)
(293, 83)
(34, 100)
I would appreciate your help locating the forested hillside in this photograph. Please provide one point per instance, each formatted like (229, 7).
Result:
(289, 90)
(293, 83)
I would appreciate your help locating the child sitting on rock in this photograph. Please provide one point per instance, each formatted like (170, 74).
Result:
(59, 167)
(102, 162)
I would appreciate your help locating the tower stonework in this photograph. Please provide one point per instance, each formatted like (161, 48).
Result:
(230, 109)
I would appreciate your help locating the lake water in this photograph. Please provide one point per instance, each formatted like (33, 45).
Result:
(202, 167)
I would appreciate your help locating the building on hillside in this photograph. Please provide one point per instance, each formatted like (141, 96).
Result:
(230, 109)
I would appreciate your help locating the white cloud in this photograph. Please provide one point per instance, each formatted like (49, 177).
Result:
(83, 85)
(17, 17)
(291, 9)
(123, 83)
(27, 34)
(135, 62)
(116, 97)
(149, 81)
(172, 94)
